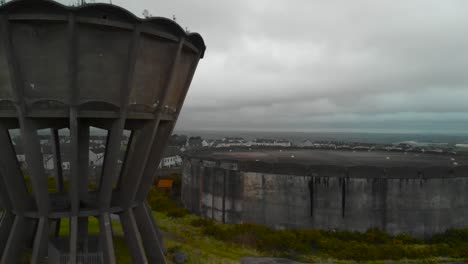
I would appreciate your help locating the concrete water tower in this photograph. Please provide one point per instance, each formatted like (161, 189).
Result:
(70, 69)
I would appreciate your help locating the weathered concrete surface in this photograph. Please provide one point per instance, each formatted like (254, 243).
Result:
(411, 200)
(75, 68)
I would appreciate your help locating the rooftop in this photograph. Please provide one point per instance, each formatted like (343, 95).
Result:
(339, 158)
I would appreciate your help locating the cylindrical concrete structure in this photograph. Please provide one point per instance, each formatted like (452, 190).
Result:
(418, 201)
(79, 67)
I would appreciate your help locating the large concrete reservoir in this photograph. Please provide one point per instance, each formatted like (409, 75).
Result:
(416, 194)
(74, 69)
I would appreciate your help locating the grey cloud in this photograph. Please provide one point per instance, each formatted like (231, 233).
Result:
(306, 65)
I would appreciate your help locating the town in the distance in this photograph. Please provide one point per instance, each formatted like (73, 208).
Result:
(180, 143)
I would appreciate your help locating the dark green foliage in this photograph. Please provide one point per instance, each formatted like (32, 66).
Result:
(176, 212)
(451, 237)
(177, 183)
(174, 249)
(177, 178)
(201, 222)
(373, 244)
(405, 239)
(376, 236)
(161, 202)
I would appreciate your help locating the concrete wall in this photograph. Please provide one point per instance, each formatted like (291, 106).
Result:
(418, 202)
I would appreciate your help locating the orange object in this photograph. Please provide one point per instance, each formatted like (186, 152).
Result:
(165, 183)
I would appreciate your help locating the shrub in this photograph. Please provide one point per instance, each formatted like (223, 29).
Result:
(246, 239)
(346, 235)
(279, 241)
(460, 251)
(160, 202)
(376, 236)
(390, 251)
(405, 240)
(368, 246)
(311, 238)
(201, 222)
(353, 250)
(451, 237)
(176, 212)
(215, 231)
(174, 249)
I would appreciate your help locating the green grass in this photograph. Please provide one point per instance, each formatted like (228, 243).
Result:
(180, 235)
(200, 248)
(120, 247)
(316, 245)
(93, 227)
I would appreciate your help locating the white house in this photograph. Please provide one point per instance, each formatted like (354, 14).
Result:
(262, 142)
(205, 143)
(169, 162)
(171, 158)
(270, 143)
(306, 143)
(95, 159)
(232, 142)
(283, 143)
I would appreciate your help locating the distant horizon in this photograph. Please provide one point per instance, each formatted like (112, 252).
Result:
(362, 137)
(336, 131)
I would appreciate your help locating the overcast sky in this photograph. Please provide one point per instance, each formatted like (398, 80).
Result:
(279, 65)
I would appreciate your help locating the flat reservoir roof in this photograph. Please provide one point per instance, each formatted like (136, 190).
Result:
(340, 158)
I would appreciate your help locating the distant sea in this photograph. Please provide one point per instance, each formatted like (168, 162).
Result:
(374, 138)
(298, 137)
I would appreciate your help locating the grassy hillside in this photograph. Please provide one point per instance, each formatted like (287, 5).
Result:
(178, 235)
(181, 235)
(229, 243)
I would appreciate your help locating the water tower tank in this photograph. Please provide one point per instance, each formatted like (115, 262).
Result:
(65, 73)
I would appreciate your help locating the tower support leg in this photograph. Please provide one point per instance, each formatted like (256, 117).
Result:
(152, 239)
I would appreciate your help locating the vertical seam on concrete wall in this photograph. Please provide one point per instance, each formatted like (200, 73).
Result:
(201, 179)
(213, 178)
(224, 195)
(288, 204)
(311, 189)
(343, 195)
(263, 199)
(384, 201)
